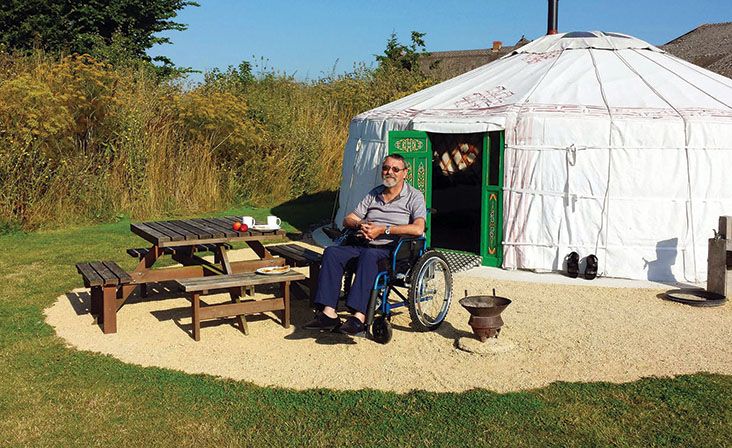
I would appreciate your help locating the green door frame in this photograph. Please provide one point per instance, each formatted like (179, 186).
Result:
(416, 148)
(491, 223)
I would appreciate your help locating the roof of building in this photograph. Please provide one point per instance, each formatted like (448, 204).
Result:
(444, 65)
(708, 46)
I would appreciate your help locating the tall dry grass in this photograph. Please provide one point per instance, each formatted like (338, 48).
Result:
(83, 141)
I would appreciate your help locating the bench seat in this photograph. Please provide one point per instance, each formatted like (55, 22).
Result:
(233, 283)
(105, 278)
(296, 255)
(102, 273)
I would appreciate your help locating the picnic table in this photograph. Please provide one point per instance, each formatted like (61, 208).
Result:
(181, 239)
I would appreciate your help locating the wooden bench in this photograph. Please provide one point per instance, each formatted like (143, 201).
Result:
(234, 283)
(105, 278)
(296, 255)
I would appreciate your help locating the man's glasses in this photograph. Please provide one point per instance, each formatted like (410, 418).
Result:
(393, 169)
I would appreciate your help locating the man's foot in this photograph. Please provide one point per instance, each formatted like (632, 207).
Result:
(323, 322)
(352, 326)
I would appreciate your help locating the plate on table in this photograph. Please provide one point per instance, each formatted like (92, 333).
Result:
(265, 227)
(274, 270)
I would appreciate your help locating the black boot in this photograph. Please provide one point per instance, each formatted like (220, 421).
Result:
(591, 268)
(573, 264)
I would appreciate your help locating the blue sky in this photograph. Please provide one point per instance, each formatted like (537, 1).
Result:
(310, 39)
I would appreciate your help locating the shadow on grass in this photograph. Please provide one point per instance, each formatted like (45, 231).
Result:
(307, 212)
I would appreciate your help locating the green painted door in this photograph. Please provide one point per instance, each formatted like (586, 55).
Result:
(416, 149)
(492, 200)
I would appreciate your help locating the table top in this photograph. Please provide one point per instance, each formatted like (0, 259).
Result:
(185, 232)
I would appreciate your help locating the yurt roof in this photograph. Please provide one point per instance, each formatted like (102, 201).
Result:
(567, 73)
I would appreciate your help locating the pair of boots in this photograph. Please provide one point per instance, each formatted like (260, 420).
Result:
(573, 266)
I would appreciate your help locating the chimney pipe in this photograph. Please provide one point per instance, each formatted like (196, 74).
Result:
(552, 20)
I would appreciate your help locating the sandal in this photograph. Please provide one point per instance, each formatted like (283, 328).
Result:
(591, 268)
(573, 264)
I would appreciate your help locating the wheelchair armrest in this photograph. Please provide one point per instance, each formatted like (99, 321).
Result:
(406, 253)
(406, 240)
(410, 238)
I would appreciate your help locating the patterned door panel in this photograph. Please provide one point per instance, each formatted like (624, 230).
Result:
(415, 147)
(492, 210)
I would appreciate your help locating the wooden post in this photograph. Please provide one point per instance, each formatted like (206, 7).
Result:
(125, 292)
(144, 265)
(719, 260)
(259, 249)
(196, 317)
(286, 298)
(235, 294)
(225, 265)
(109, 310)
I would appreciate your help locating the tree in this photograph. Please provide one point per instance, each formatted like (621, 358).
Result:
(234, 79)
(402, 56)
(81, 26)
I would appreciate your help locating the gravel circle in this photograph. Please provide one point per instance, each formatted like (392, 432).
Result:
(552, 332)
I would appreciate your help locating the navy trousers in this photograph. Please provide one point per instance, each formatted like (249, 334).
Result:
(331, 275)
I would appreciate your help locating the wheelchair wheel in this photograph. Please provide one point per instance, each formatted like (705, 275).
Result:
(430, 291)
(381, 330)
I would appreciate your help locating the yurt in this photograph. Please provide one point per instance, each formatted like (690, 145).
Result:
(593, 142)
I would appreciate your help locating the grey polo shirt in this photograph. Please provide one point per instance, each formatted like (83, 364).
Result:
(407, 206)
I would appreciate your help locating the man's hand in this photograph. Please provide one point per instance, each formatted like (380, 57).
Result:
(370, 231)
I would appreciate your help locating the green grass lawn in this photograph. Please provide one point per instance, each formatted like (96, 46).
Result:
(52, 395)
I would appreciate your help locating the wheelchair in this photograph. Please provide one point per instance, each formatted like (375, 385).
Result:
(424, 274)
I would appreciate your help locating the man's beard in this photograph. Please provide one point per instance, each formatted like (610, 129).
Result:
(389, 181)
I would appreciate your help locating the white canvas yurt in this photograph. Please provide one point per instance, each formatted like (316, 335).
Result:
(593, 142)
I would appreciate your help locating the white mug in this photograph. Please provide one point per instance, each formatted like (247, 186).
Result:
(248, 220)
(273, 221)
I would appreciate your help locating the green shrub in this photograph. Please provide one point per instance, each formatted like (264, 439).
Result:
(82, 140)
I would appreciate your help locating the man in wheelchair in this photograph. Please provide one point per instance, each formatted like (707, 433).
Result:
(388, 212)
